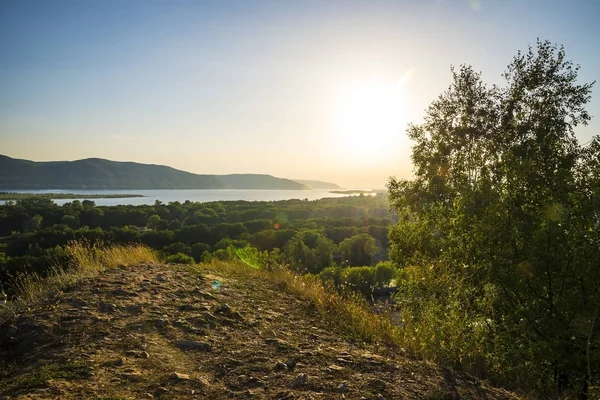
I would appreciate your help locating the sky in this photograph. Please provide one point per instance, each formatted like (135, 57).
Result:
(297, 89)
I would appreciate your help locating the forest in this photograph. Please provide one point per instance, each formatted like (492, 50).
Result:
(309, 236)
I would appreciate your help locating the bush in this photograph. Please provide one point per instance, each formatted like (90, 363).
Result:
(361, 279)
(180, 258)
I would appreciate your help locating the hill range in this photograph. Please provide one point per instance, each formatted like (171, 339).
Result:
(98, 173)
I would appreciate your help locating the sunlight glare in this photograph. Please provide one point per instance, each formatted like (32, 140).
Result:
(370, 120)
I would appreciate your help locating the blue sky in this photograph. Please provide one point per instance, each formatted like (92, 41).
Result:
(256, 86)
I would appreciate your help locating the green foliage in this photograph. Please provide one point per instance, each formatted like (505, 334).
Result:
(226, 254)
(194, 229)
(33, 224)
(180, 258)
(360, 279)
(359, 249)
(498, 233)
(153, 221)
(309, 251)
(72, 221)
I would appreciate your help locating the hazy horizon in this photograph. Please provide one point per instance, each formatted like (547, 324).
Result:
(301, 90)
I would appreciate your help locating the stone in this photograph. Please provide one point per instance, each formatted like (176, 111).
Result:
(135, 309)
(334, 368)
(279, 366)
(161, 391)
(343, 388)
(253, 382)
(223, 308)
(193, 345)
(285, 396)
(377, 385)
(181, 377)
(291, 363)
(204, 294)
(161, 323)
(108, 307)
(131, 374)
(123, 293)
(299, 380)
(137, 354)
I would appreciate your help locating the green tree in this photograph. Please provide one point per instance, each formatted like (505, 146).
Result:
(309, 251)
(358, 250)
(498, 232)
(70, 220)
(154, 221)
(33, 224)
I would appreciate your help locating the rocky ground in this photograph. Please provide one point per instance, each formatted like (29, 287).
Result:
(157, 331)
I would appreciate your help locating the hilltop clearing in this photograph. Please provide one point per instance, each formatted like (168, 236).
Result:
(158, 330)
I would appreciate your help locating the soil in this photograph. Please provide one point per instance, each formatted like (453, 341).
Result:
(163, 331)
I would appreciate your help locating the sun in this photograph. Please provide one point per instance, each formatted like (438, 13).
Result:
(370, 119)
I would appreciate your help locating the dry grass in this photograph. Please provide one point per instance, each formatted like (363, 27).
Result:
(87, 261)
(350, 312)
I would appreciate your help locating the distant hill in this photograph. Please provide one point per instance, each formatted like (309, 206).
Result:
(97, 173)
(258, 181)
(318, 184)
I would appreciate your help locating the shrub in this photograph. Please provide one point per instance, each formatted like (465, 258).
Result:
(180, 258)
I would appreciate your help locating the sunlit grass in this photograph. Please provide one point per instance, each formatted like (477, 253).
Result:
(350, 312)
(86, 261)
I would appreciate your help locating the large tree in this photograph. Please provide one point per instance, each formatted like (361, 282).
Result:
(309, 251)
(498, 232)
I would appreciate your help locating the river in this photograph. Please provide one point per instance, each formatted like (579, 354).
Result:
(200, 195)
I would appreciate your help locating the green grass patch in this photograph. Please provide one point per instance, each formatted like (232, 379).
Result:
(39, 377)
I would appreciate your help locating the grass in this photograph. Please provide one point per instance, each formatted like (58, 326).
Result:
(350, 312)
(39, 376)
(87, 261)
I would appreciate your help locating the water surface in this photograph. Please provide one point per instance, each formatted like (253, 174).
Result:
(194, 195)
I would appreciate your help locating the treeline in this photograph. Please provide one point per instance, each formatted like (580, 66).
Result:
(307, 235)
(498, 238)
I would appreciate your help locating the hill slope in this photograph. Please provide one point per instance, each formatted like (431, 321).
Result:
(318, 184)
(97, 173)
(259, 181)
(161, 331)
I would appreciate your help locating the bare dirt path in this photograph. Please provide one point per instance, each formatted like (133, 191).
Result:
(157, 331)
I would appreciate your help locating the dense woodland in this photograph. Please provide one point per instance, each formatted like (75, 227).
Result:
(307, 235)
(498, 236)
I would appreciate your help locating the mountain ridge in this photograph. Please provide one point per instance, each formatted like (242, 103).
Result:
(313, 184)
(100, 174)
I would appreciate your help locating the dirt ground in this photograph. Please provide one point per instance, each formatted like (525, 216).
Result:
(162, 331)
